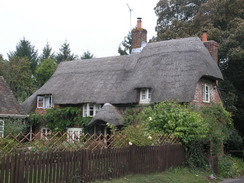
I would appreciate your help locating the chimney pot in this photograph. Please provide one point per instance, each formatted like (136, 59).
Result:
(204, 36)
(139, 26)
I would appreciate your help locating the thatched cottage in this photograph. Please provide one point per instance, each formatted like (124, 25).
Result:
(180, 69)
(9, 106)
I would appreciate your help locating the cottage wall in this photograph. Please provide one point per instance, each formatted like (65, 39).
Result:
(214, 93)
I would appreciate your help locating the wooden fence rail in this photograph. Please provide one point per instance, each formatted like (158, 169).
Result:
(87, 165)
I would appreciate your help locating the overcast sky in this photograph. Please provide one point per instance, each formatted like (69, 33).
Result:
(95, 25)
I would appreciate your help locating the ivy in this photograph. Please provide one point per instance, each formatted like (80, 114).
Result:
(219, 126)
(59, 119)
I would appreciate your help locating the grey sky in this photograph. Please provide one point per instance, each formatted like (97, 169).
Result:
(95, 25)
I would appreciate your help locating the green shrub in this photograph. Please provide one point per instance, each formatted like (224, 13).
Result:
(197, 158)
(137, 135)
(234, 142)
(219, 123)
(231, 167)
(169, 117)
(14, 126)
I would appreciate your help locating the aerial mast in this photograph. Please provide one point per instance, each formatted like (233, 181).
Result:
(130, 14)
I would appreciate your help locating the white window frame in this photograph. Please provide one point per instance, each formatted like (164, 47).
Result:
(145, 95)
(74, 134)
(47, 101)
(90, 110)
(1, 128)
(206, 93)
(45, 131)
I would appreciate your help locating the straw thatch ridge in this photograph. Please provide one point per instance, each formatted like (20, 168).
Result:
(171, 68)
(108, 114)
(9, 106)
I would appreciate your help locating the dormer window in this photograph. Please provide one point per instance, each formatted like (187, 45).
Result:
(206, 93)
(145, 95)
(44, 101)
(90, 110)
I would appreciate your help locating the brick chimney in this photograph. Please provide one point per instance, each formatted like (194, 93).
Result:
(211, 45)
(139, 37)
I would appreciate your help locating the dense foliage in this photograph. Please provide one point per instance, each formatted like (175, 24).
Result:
(14, 126)
(201, 130)
(45, 70)
(231, 167)
(17, 72)
(59, 119)
(224, 21)
(173, 118)
(219, 124)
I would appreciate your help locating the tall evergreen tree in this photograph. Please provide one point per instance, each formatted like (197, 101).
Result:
(125, 46)
(65, 53)
(87, 55)
(25, 49)
(47, 53)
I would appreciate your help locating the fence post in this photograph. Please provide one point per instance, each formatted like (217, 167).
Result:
(84, 165)
(15, 159)
(215, 161)
(132, 162)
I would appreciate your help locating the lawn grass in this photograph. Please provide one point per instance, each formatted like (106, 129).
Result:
(176, 175)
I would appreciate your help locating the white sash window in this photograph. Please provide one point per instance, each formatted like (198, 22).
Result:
(44, 101)
(206, 93)
(90, 110)
(145, 96)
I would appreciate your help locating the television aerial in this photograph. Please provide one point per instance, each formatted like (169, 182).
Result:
(130, 14)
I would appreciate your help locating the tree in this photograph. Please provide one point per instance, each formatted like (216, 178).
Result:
(125, 46)
(87, 55)
(25, 49)
(3, 67)
(175, 18)
(47, 53)
(65, 53)
(19, 77)
(45, 70)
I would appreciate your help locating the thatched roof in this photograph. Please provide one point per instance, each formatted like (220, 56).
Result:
(108, 114)
(9, 106)
(171, 68)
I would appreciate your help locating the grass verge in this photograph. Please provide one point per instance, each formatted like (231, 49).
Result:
(176, 175)
(229, 167)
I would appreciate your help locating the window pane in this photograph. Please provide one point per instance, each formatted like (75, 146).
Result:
(40, 101)
(143, 94)
(91, 108)
(207, 93)
(149, 93)
(85, 110)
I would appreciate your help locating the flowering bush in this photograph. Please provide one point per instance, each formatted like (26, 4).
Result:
(172, 118)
